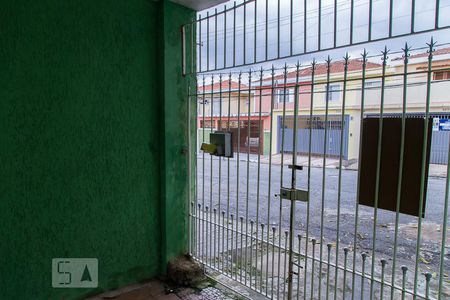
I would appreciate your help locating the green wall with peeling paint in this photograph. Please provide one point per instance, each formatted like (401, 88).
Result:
(88, 147)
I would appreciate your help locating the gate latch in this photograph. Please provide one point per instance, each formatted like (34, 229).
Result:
(294, 194)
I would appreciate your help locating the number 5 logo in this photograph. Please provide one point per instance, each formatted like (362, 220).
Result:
(63, 274)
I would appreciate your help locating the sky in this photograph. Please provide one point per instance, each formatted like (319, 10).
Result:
(401, 24)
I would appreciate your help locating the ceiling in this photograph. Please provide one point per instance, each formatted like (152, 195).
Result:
(199, 5)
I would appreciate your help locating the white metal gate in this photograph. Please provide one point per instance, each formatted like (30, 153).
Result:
(290, 224)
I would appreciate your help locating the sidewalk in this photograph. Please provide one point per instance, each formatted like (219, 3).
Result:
(317, 162)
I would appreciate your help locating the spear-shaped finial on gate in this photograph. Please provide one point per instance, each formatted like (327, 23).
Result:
(346, 60)
(313, 64)
(430, 50)
(328, 61)
(406, 53)
(261, 73)
(385, 55)
(364, 56)
(285, 70)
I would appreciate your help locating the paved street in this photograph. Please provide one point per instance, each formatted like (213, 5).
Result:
(254, 202)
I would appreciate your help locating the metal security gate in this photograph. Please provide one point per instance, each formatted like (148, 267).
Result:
(317, 135)
(290, 225)
(439, 143)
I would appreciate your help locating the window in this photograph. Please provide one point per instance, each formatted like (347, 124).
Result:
(216, 103)
(333, 92)
(374, 83)
(289, 95)
(441, 75)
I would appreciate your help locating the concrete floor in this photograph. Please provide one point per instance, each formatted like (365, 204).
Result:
(159, 290)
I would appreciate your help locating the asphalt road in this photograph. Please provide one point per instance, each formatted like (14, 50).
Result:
(248, 193)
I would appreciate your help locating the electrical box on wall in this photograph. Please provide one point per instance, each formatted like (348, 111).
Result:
(221, 144)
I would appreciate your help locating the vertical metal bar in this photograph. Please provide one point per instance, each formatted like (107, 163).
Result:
(341, 154)
(344, 285)
(313, 241)
(224, 250)
(383, 266)
(208, 224)
(281, 173)
(400, 169)
(328, 270)
(269, 198)
(370, 20)
(258, 176)
(299, 236)
(324, 159)
(241, 250)
(248, 168)
(424, 162)
(335, 23)
(254, 38)
(232, 246)
(436, 16)
(413, 15)
(293, 185)
(215, 39)
(189, 170)
(444, 229)
(274, 230)
(391, 13)
(311, 109)
(352, 13)
(225, 36)
(207, 41)
(214, 235)
(244, 48)
(286, 237)
(305, 24)
(428, 277)
(355, 234)
(291, 31)
(404, 270)
(237, 157)
(363, 272)
(278, 29)
(378, 171)
(203, 169)
(267, 33)
(251, 251)
(319, 26)
(261, 263)
(212, 123)
(199, 43)
(228, 168)
(197, 230)
(219, 128)
(234, 34)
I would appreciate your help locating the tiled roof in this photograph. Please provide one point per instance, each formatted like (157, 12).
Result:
(225, 86)
(335, 67)
(441, 51)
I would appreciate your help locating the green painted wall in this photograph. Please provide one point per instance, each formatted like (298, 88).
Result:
(82, 92)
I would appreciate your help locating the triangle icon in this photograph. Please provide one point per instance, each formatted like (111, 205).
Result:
(86, 275)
